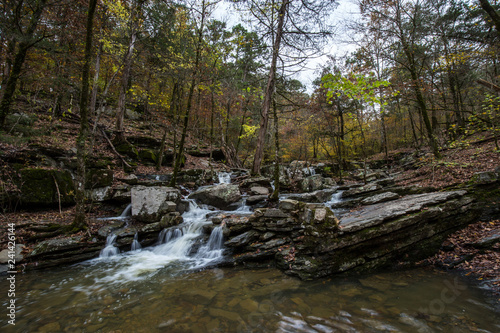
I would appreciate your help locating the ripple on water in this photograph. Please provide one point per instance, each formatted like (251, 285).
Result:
(83, 298)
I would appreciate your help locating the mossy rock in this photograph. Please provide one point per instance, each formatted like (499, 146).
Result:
(128, 150)
(144, 141)
(39, 187)
(100, 162)
(148, 156)
(98, 178)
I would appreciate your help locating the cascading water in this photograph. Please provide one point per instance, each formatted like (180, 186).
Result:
(135, 243)
(166, 235)
(110, 249)
(126, 211)
(336, 198)
(176, 252)
(244, 208)
(309, 171)
(213, 249)
(224, 177)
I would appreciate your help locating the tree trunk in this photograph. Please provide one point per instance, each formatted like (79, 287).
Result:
(9, 54)
(495, 17)
(79, 222)
(24, 45)
(120, 112)
(275, 196)
(261, 138)
(163, 140)
(180, 154)
(95, 87)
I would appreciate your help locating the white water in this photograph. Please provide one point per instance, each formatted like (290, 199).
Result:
(309, 171)
(110, 249)
(244, 208)
(125, 214)
(166, 235)
(336, 198)
(177, 250)
(135, 243)
(224, 177)
(126, 211)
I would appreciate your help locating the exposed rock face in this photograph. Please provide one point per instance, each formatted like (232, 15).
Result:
(220, 196)
(149, 204)
(97, 178)
(259, 190)
(55, 252)
(255, 182)
(487, 177)
(307, 240)
(46, 187)
(316, 196)
(361, 190)
(312, 183)
(382, 197)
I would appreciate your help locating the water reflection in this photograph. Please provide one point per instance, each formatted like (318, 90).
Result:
(77, 299)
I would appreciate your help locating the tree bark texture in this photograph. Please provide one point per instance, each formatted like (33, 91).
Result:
(24, 45)
(271, 82)
(79, 222)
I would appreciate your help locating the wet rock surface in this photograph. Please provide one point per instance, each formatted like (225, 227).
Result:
(308, 241)
(149, 204)
(220, 196)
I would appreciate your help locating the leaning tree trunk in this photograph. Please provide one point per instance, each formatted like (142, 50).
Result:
(120, 112)
(495, 17)
(79, 222)
(271, 81)
(180, 154)
(275, 195)
(24, 45)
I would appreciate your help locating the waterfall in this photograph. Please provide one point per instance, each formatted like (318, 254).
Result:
(110, 249)
(224, 177)
(309, 171)
(135, 243)
(213, 248)
(244, 208)
(179, 248)
(336, 198)
(166, 235)
(126, 211)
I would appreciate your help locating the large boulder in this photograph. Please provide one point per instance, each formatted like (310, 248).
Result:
(220, 196)
(42, 187)
(149, 204)
(98, 178)
(312, 183)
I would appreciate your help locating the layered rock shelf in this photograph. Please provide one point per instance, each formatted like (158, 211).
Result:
(308, 241)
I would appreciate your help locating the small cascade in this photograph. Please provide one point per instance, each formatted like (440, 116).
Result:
(336, 198)
(213, 249)
(309, 171)
(126, 212)
(244, 208)
(183, 247)
(110, 249)
(224, 177)
(135, 243)
(166, 235)
(124, 215)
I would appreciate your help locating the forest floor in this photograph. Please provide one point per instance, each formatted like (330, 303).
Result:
(475, 154)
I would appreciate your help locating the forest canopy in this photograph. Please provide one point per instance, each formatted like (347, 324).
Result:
(424, 73)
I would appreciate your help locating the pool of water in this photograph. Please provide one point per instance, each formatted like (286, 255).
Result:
(84, 298)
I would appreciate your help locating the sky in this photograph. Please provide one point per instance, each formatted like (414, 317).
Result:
(339, 45)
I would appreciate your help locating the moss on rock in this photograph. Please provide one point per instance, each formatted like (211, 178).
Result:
(42, 187)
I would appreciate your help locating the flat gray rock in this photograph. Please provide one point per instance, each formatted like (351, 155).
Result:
(376, 214)
(382, 197)
(4, 255)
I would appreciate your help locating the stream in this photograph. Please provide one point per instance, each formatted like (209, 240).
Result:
(173, 287)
